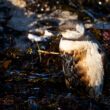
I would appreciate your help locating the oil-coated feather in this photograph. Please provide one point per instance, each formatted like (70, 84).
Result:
(82, 59)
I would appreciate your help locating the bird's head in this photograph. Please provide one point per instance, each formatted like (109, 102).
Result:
(72, 30)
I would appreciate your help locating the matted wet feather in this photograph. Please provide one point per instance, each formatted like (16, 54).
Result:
(83, 60)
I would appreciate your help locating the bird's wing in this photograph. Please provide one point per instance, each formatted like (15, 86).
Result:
(75, 72)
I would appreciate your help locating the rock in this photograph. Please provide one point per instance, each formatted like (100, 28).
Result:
(2, 16)
(4, 13)
(23, 20)
(26, 21)
(22, 43)
(40, 35)
(98, 25)
(101, 25)
(88, 25)
(1, 29)
(36, 38)
(62, 16)
(17, 3)
(47, 33)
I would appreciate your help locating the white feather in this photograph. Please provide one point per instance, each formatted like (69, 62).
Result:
(93, 61)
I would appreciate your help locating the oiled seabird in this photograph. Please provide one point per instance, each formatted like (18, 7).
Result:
(83, 59)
